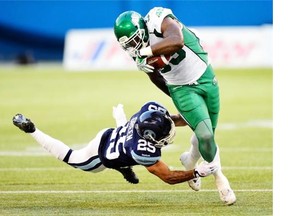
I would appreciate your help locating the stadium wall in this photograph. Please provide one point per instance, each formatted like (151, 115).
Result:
(227, 47)
(38, 28)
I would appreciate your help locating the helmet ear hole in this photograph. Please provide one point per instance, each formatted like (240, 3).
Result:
(155, 127)
(148, 134)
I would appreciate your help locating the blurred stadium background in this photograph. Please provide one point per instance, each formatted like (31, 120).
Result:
(35, 31)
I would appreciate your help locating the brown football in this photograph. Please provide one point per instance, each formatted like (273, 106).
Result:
(158, 62)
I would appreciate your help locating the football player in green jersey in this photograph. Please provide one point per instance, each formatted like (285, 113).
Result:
(188, 79)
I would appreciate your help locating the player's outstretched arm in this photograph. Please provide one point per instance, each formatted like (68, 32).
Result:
(161, 170)
(178, 120)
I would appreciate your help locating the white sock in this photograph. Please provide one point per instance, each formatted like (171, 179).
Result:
(221, 180)
(194, 151)
(53, 146)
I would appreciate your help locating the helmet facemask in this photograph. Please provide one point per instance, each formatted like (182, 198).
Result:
(166, 140)
(156, 131)
(135, 42)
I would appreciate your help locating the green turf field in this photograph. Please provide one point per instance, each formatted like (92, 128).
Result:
(74, 106)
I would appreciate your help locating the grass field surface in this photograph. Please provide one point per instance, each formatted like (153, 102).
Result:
(74, 106)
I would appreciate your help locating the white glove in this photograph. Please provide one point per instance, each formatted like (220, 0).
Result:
(205, 169)
(119, 115)
(143, 66)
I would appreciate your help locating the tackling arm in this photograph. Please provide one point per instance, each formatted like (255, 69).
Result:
(161, 170)
(178, 120)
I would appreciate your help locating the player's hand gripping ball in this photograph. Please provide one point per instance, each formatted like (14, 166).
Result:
(158, 62)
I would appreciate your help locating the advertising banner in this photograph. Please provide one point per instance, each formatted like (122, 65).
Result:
(98, 49)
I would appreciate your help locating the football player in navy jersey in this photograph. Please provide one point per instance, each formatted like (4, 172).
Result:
(188, 78)
(134, 142)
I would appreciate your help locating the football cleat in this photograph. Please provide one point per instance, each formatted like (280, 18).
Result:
(185, 159)
(128, 174)
(195, 184)
(23, 123)
(227, 196)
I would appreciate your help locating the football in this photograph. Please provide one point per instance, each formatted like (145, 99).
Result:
(158, 62)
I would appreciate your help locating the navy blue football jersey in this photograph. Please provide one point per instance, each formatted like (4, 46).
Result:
(123, 146)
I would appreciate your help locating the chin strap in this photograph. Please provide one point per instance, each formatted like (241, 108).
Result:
(119, 115)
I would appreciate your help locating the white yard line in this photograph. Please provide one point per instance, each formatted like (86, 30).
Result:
(262, 123)
(124, 191)
(44, 169)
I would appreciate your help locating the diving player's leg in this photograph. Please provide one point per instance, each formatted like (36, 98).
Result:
(54, 146)
(86, 159)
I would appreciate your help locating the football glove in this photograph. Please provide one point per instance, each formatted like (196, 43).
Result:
(205, 169)
(143, 53)
(143, 66)
(119, 115)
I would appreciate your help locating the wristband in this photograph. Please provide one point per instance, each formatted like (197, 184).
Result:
(196, 174)
(146, 52)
